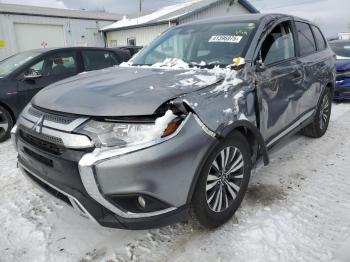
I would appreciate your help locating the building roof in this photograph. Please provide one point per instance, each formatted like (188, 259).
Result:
(55, 12)
(172, 13)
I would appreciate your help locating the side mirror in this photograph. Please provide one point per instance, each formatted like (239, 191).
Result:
(259, 63)
(32, 76)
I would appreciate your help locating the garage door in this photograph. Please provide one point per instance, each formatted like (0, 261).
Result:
(32, 36)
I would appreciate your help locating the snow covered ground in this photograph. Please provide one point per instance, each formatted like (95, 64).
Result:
(297, 209)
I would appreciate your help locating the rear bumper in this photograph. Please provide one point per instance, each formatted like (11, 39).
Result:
(87, 179)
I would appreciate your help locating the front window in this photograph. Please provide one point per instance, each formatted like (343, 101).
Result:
(203, 44)
(341, 49)
(10, 64)
(278, 45)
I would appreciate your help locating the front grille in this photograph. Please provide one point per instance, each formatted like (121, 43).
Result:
(55, 118)
(53, 145)
(49, 189)
(38, 157)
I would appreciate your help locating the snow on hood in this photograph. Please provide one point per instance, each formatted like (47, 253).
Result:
(173, 63)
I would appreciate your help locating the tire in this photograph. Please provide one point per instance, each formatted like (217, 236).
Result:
(321, 120)
(6, 124)
(208, 208)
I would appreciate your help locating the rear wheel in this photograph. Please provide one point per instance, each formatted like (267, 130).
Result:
(6, 124)
(223, 182)
(320, 124)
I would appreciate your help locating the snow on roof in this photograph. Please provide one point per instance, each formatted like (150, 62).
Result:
(171, 13)
(56, 12)
(153, 17)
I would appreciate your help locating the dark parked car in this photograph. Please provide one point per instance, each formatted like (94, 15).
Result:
(24, 74)
(132, 49)
(177, 130)
(342, 50)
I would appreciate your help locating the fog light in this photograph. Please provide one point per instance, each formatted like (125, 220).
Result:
(141, 201)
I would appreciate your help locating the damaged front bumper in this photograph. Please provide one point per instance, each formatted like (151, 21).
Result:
(106, 186)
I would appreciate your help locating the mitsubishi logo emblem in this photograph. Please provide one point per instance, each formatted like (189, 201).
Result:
(38, 126)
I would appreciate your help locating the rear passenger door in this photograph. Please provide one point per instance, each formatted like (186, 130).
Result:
(99, 59)
(313, 64)
(278, 81)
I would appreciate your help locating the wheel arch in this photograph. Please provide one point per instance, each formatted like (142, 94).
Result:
(251, 133)
(9, 110)
(331, 86)
(248, 130)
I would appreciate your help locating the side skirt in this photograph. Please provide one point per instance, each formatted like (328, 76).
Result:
(292, 129)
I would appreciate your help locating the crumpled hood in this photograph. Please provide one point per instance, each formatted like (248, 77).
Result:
(122, 91)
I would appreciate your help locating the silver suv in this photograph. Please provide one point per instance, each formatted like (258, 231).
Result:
(177, 130)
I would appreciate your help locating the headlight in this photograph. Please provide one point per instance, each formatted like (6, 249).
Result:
(116, 134)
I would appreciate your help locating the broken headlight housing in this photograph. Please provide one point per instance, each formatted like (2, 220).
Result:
(119, 134)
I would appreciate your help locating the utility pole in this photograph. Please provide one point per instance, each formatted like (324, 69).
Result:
(140, 7)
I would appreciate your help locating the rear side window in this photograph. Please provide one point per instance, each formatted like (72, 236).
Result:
(307, 43)
(320, 41)
(95, 60)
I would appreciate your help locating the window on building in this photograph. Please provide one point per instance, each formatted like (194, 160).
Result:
(278, 45)
(320, 41)
(306, 39)
(95, 60)
(131, 41)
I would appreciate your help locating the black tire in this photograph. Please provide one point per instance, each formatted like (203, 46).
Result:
(6, 124)
(321, 120)
(204, 209)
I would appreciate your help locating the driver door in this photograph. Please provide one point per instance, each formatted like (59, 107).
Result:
(279, 78)
(50, 69)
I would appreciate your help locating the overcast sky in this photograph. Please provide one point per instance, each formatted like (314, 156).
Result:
(332, 15)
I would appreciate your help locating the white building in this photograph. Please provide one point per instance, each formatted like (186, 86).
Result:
(29, 27)
(344, 36)
(142, 30)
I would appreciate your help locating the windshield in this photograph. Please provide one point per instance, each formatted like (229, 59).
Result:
(203, 44)
(341, 48)
(13, 62)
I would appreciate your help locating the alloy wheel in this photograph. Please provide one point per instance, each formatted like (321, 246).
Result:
(324, 112)
(4, 123)
(224, 179)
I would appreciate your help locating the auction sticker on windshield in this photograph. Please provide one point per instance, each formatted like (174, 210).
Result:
(2, 44)
(225, 39)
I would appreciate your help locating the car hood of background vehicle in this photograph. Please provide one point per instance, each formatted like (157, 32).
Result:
(343, 65)
(121, 91)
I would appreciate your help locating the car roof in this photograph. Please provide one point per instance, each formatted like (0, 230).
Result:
(44, 50)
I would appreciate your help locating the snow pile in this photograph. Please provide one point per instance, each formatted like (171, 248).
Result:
(125, 22)
(230, 79)
(161, 124)
(172, 63)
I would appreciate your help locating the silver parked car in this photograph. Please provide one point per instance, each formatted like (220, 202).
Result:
(177, 130)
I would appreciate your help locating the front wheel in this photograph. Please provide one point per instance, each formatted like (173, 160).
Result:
(223, 182)
(6, 124)
(323, 113)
